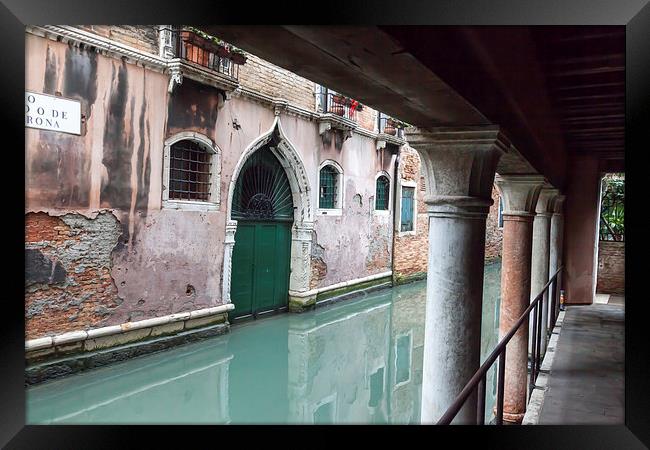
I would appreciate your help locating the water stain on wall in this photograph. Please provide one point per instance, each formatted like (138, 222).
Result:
(193, 106)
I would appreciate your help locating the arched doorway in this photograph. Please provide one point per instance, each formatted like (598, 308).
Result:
(276, 144)
(262, 204)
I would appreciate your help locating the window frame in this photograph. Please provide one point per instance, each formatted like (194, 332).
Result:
(338, 201)
(500, 214)
(389, 196)
(408, 184)
(214, 201)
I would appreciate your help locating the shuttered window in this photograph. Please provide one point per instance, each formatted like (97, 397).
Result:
(381, 196)
(407, 208)
(328, 188)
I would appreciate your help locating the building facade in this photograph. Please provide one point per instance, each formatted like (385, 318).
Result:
(205, 185)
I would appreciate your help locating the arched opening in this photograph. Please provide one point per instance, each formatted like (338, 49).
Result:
(263, 207)
(267, 260)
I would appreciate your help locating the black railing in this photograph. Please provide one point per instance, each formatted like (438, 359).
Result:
(387, 126)
(192, 47)
(341, 106)
(478, 380)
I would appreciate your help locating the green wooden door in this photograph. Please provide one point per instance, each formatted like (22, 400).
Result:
(263, 207)
(260, 267)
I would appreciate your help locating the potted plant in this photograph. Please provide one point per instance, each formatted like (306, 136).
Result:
(237, 56)
(390, 127)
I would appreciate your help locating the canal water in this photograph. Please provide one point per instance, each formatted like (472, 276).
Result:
(357, 361)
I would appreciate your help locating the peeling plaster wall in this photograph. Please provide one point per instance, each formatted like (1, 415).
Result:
(358, 243)
(162, 261)
(68, 284)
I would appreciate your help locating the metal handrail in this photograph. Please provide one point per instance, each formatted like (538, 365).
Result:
(478, 380)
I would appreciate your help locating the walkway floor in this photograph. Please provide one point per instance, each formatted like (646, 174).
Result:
(587, 379)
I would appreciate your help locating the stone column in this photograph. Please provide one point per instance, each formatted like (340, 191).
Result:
(557, 231)
(540, 260)
(228, 245)
(459, 164)
(519, 193)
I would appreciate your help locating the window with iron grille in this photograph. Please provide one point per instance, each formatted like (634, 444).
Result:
(382, 192)
(190, 170)
(328, 191)
(407, 208)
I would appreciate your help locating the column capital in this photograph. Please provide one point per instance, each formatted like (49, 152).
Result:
(545, 201)
(557, 204)
(519, 193)
(459, 163)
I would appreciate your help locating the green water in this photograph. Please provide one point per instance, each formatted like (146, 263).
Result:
(358, 361)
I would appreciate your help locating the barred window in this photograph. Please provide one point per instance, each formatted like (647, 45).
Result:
(328, 193)
(382, 192)
(190, 166)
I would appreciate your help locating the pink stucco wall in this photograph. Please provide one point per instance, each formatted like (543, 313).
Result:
(167, 261)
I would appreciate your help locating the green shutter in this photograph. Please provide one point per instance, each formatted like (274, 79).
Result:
(407, 208)
(381, 197)
(328, 188)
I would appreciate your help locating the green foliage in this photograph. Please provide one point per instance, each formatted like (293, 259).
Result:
(612, 212)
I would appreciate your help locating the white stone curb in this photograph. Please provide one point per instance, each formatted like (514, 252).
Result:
(536, 402)
(340, 285)
(82, 335)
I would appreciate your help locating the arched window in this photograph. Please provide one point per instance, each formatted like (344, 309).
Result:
(191, 177)
(330, 188)
(382, 193)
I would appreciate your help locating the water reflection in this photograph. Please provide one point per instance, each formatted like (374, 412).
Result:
(354, 362)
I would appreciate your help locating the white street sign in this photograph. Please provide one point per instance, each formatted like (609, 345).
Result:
(47, 112)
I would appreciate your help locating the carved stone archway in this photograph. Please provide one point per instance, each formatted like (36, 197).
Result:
(303, 223)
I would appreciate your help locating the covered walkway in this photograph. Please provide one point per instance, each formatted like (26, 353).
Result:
(586, 383)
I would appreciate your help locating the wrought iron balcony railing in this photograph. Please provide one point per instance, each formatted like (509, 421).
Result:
(188, 45)
(386, 125)
(341, 106)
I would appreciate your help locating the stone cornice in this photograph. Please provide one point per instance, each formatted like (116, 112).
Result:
(177, 69)
(458, 138)
(102, 44)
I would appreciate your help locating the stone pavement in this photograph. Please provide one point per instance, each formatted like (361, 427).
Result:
(586, 383)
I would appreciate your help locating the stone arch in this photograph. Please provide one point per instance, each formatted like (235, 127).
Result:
(301, 230)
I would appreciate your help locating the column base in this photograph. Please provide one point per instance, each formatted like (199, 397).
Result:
(513, 419)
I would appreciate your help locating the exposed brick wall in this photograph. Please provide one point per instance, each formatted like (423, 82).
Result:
(143, 37)
(68, 284)
(493, 234)
(611, 267)
(411, 252)
(367, 118)
(262, 76)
